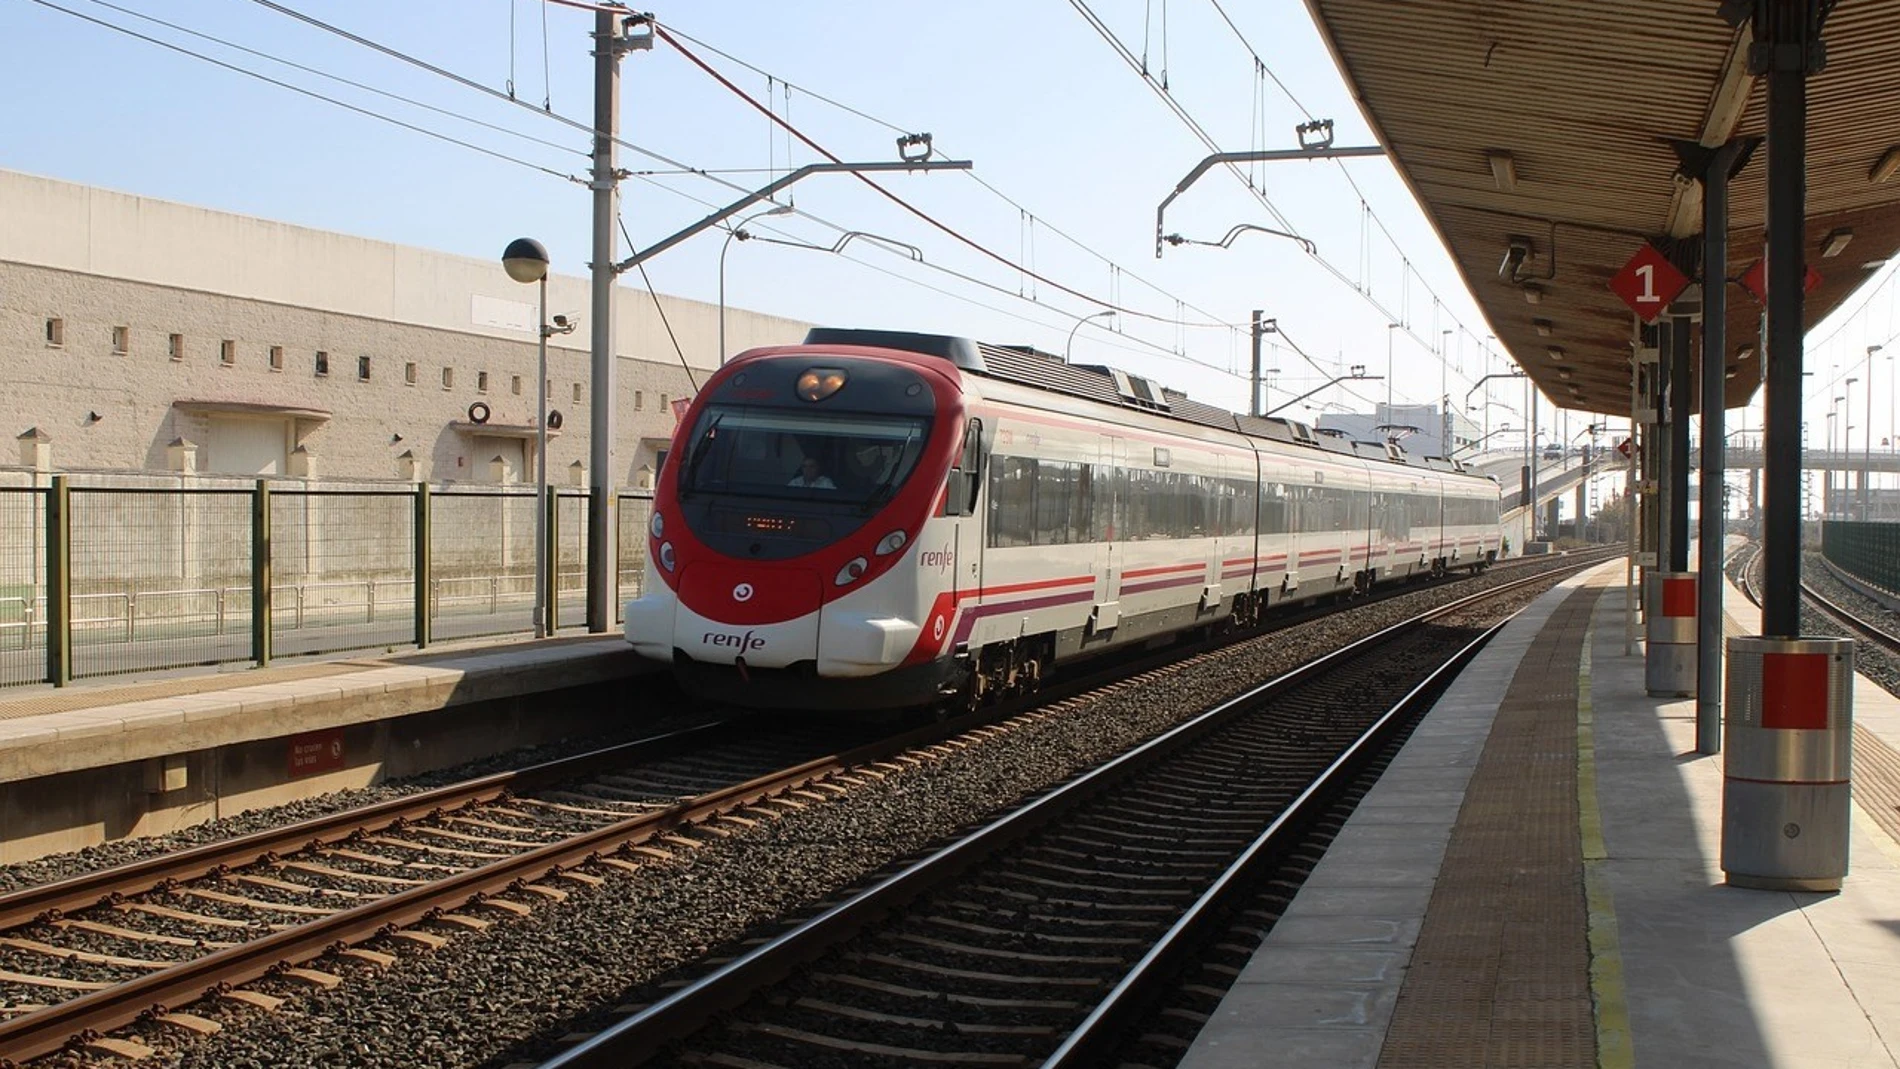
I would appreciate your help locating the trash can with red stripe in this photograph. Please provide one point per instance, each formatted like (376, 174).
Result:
(1790, 727)
(1669, 623)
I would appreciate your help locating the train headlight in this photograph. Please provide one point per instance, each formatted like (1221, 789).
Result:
(657, 525)
(890, 543)
(850, 572)
(666, 555)
(818, 383)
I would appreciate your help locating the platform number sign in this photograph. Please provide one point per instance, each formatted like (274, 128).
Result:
(1648, 282)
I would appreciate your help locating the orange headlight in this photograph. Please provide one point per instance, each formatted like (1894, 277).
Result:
(818, 383)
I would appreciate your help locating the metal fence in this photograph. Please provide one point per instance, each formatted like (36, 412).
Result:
(1867, 549)
(102, 580)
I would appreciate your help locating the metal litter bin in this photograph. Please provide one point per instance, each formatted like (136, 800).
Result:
(1790, 725)
(1669, 622)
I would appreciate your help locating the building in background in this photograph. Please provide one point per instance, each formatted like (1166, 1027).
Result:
(1419, 429)
(139, 335)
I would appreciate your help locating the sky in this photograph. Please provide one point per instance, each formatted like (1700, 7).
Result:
(1072, 151)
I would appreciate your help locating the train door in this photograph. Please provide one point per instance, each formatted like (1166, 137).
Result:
(1216, 509)
(969, 479)
(1110, 486)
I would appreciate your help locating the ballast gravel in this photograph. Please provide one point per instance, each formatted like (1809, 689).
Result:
(504, 995)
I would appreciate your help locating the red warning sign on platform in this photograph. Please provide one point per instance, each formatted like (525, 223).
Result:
(1648, 283)
(1755, 280)
(1623, 447)
(316, 751)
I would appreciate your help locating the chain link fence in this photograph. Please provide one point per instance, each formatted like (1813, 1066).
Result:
(22, 585)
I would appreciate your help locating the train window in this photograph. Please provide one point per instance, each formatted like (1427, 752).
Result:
(1273, 514)
(1012, 501)
(859, 459)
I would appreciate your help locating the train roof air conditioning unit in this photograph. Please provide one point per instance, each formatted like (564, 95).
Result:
(1137, 391)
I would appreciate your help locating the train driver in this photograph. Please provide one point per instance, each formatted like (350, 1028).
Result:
(810, 478)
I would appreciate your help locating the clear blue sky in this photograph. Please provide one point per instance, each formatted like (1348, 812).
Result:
(1047, 110)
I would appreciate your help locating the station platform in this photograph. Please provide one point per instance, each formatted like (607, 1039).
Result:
(106, 760)
(1536, 881)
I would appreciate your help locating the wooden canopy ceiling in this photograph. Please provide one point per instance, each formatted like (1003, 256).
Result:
(1552, 122)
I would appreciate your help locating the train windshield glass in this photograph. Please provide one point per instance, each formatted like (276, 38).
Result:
(843, 458)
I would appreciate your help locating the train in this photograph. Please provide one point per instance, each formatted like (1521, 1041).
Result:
(885, 520)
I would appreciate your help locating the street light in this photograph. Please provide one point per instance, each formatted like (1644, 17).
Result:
(742, 234)
(526, 261)
(1078, 326)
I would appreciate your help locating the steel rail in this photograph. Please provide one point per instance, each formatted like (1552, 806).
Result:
(689, 1009)
(1874, 632)
(52, 900)
(1093, 1037)
(45, 1031)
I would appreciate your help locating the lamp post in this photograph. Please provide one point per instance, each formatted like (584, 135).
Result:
(1847, 429)
(1444, 393)
(1078, 326)
(742, 234)
(1867, 450)
(526, 260)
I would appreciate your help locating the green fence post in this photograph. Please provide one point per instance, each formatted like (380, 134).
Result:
(260, 574)
(59, 583)
(553, 620)
(425, 567)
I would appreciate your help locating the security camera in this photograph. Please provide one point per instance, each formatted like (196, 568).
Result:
(560, 321)
(1516, 253)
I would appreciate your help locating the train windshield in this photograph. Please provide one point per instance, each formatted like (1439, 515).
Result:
(844, 458)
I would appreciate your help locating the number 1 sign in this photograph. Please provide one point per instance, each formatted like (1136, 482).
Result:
(1648, 283)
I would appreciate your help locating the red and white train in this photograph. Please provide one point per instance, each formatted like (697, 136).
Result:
(876, 519)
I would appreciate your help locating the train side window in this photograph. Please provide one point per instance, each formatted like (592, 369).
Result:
(966, 477)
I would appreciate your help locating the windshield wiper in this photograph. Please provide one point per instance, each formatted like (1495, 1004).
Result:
(883, 488)
(689, 478)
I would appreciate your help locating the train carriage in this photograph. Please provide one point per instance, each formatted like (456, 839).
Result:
(884, 520)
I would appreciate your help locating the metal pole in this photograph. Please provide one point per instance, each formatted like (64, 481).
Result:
(601, 545)
(1530, 456)
(1787, 63)
(541, 474)
(1681, 393)
(1253, 405)
(1630, 514)
(261, 602)
(1867, 447)
(1708, 702)
(59, 583)
(425, 567)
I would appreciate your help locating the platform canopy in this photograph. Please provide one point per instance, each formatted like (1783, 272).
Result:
(1554, 125)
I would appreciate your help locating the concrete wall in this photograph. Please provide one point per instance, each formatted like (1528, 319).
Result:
(96, 260)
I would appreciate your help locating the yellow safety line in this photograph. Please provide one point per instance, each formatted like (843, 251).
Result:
(1615, 1049)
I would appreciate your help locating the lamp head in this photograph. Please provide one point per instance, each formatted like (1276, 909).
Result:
(525, 260)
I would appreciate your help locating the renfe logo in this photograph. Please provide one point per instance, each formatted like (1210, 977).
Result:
(745, 643)
(940, 559)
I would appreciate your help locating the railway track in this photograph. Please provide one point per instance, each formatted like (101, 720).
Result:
(86, 956)
(1853, 623)
(1037, 938)
(173, 929)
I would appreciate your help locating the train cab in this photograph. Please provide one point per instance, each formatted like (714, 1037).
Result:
(787, 539)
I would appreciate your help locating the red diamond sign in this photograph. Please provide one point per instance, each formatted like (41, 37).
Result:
(1755, 280)
(1648, 283)
(1623, 447)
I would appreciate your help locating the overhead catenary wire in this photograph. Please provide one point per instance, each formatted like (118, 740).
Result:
(938, 150)
(984, 250)
(587, 127)
(311, 93)
(339, 79)
(1146, 347)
